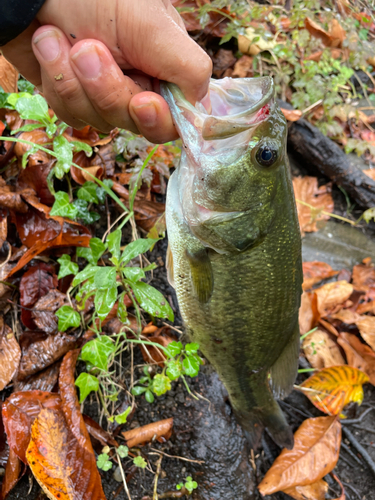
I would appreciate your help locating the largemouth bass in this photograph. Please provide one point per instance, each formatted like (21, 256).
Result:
(235, 246)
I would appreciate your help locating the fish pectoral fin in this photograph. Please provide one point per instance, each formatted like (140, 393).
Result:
(169, 266)
(284, 371)
(201, 274)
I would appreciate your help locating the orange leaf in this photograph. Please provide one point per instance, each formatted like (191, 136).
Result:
(331, 295)
(308, 314)
(140, 435)
(10, 355)
(12, 473)
(333, 388)
(292, 115)
(315, 491)
(359, 355)
(314, 272)
(321, 350)
(366, 327)
(8, 75)
(317, 442)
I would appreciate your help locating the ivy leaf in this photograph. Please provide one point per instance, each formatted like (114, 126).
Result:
(97, 352)
(161, 384)
(83, 213)
(121, 419)
(63, 150)
(191, 366)
(174, 369)
(81, 146)
(123, 451)
(67, 317)
(104, 301)
(122, 312)
(33, 107)
(151, 300)
(134, 273)
(66, 266)
(101, 191)
(86, 383)
(105, 277)
(140, 462)
(88, 192)
(114, 244)
(62, 206)
(85, 274)
(174, 348)
(137, 247)
(25, 86)
(103, 462)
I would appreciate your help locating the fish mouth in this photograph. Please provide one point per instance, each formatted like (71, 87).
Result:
(236, 105)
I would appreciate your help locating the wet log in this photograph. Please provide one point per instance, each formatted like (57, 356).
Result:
(316, 149)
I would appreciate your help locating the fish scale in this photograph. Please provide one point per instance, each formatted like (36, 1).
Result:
(236, 262)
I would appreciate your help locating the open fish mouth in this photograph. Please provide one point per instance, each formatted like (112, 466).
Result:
(235, 106)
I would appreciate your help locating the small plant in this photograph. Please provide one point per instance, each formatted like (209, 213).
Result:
(189, 485)
(104, 461)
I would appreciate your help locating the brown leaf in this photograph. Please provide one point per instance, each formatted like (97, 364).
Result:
(11, 199)
(347, 316)
(44, 310)
(317, 441)
(364, 279)
(10, 355)
(12, 473)
(8, 75)
(333, 38)
(19, 411)
(35, 178)
(308, 315)
(315, 491)
(314, 272)
(366, 327)
(306, 190)
(292, 115)
(161, 336)
(321, 350)
(82, 176)
(222, 60)
(331, 295)
(41, 381)
(40, 350)
(98, 432)
(37, 137)
(359, 355)
(243, 67)
(141, 435)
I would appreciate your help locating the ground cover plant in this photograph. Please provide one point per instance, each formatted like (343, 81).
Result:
(79, 214)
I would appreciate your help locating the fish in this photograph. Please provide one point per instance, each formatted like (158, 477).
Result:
(234, 255)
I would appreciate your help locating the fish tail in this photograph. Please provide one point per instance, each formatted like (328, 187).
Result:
(255, 421)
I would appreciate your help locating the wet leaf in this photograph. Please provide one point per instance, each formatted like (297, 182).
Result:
(160, 384)
(8, 75)
(152, 301)
(12, 473)
(44, 311)
(142, 435)
(10, 355)
(331, 295)
(86, 384)
(68, 318)
(366, 327)
(41, 381)
(63, 148)
(63, 207)
(67, 267)
(317, 441)
(88, 192)
(33, 108)
(104, 300)
(98, 433)
(114, 243)
(97, 352)
(314, 272)
(331, 389)
(136, 248)
(321, 350)
(359, 355)
(315, 491)
(103, 462)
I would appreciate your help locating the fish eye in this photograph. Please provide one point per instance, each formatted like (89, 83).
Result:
(267, 155)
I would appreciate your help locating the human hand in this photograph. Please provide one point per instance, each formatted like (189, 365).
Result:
(75, 52)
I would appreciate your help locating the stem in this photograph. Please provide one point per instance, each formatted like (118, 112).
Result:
(145, 163)
(123, 476)
(188, 388)
(308, 333)
(304, 370)
(330, 214)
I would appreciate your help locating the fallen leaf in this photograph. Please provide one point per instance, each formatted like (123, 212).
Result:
(243, 67)
(333, 388)
(35, 178)
(11, 199)
(364, 279)
(8, 75)
(160, 430)
(315, 454)
(347, 316)
(331, 295)
(321, 350)
(292, 115)
(359, 355)
(366, 327)
(314, 272)
(10, 355)
(98, 432)
(44, 310)
(306, 191)
(315, 491)
(308, 315)
(86, 174)
(333, 38)
(44, 380)
(222, 60)
(12, 473)
(252, 44)
(40, 350)
(37, 136)
(161, 336)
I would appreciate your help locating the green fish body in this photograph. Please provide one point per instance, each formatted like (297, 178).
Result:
(235, 246)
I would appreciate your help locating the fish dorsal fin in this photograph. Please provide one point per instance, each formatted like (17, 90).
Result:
(169, 266)
(201, 274)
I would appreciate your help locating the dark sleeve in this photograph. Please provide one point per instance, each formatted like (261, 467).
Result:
(16, 16)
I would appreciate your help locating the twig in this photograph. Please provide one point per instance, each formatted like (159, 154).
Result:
(123, 476)
(366, 457)
(349, 452)
(178, 458)
(158, 467)
(357, 420)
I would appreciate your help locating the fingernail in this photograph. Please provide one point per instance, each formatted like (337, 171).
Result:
(146, 114)
(88, 62)
(48, 45)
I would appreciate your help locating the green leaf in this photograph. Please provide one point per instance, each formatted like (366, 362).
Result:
(66, 266)
(122, 312)
(83, 213)
(140, 462)
(86, 383)
(174, 348)
(135, 248)
(105, 277)
(151, 300)
(190, 485)
(85, 253)
(114, 243)
(191, 366)
(97, 249)
(81, 146)
(134, 273)
(85, 274)
(149, 396)
(97, 352)
(101, 191)
(64, 152)
(88, 192)
(138, 390)
(161, 384)
(62, 206)
(103, 462)
(192, 348)
(67, 317)
(121, 419)
(104, 301)
(33, 107)
(29, 127)
(25, 86)
(51, 129)
(174, 369)
(123, 451)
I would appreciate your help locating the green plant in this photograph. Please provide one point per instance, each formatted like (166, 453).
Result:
(104, 461)
(189, 485)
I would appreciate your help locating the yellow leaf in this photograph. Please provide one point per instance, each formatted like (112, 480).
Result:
(333, 388)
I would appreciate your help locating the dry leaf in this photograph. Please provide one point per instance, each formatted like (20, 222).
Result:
(359, 355)
(321, 350)
(306, 190)
(243, 67)
(10, 355)
(307, 313)
(333, 388)
(247, 46)
(331, 295)
(315, 454)
(366, 327)
(347, 316)
(292, 115)
(315, 491)
(141, 435)
(8, 75)
(314, 272)
(333, 38)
